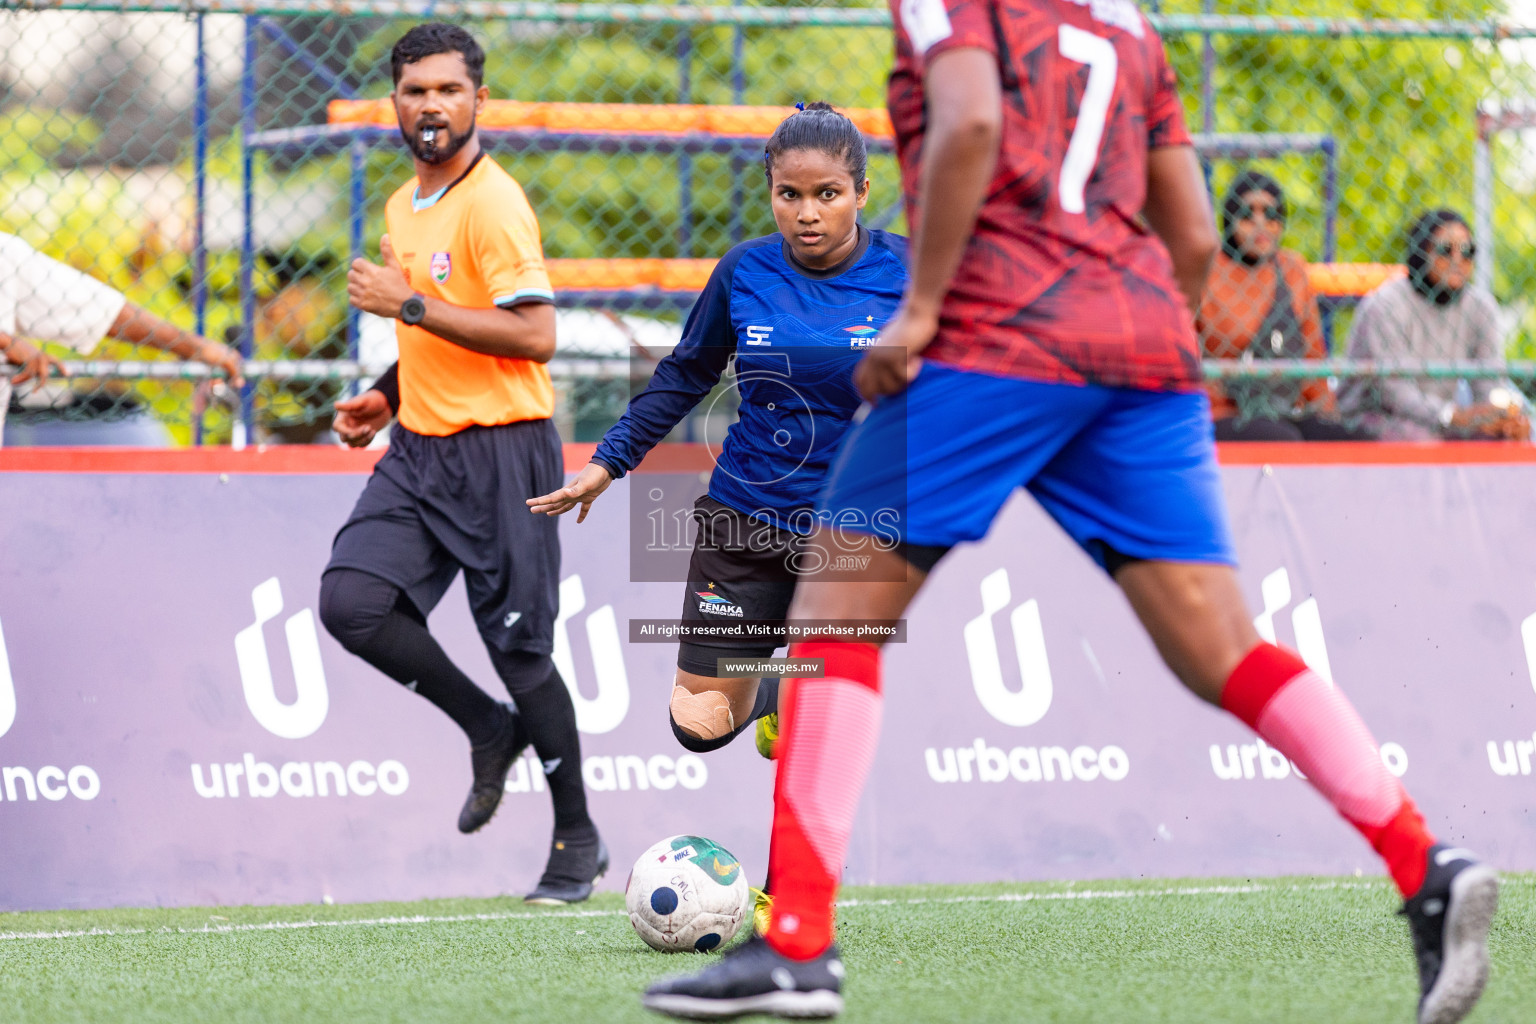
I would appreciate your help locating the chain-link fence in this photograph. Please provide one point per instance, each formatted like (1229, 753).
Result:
(218, 165)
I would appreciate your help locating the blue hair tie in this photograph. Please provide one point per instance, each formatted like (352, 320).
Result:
(799, 106)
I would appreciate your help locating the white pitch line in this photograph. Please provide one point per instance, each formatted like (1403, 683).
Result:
(1114, 894)
(376, 922)
(273, 926)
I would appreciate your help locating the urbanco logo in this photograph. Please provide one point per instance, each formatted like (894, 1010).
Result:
(1024, 706)
(51, 782)
(1527, 634)
(308, 710)
(1513, 757)
(1306, 620)
(1516, 759)
(7, 689)
(1026, 764)
(605, 773)
(1259, 760)
(294, 721)
(606, 711)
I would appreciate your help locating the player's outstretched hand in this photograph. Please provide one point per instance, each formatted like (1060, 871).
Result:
(889, 366)
(34, 362)
(380, 290)
(589, 483)
(359, 419)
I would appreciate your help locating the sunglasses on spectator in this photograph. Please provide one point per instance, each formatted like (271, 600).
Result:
(1468, 250)
(1248, 211)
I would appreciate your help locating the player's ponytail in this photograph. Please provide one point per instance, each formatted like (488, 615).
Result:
(818, 127)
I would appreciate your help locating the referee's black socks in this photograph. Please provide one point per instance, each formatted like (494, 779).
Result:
(549, 718)
(373, 619)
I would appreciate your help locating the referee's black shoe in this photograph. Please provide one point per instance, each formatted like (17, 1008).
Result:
(1449, 919)
(491, 762)
(574, 867)
(754, 978)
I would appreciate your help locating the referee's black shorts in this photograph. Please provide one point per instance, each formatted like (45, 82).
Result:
(435, 505)
(742, 570)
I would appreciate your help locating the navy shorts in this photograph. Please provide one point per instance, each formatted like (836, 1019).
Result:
(741, 570)
(1125, 472)
(435, 505)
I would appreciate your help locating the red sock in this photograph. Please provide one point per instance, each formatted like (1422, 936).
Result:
(1314, 724)
(828, 729)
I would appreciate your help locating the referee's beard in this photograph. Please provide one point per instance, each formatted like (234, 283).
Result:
(444, 145)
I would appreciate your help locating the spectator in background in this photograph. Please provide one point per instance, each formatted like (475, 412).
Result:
(44, 299)
(1434, 313)
(1259, 305)
(301, 317)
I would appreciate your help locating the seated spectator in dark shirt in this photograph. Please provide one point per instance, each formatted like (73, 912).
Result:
(1435, 313)
(1259, 305)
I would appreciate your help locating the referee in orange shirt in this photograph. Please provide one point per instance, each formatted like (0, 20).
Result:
(464, 275)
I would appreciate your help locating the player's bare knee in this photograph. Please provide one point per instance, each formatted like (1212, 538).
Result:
(705, 716)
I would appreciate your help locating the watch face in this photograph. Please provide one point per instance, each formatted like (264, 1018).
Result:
(413, 309)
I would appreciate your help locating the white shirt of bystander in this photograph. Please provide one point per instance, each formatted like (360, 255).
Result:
(43, 299)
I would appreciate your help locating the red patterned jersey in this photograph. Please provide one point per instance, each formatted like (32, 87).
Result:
(1063, 280)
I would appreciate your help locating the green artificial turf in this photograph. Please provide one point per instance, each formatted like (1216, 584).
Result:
(1314, 950)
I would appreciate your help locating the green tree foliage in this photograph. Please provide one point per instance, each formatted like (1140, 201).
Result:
(1402, 114)
(33, 140)
(632, 204)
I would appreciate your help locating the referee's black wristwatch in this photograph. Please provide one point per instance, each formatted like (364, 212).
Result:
(413, 310)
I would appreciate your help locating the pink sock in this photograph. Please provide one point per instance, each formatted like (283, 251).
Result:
(1312, 723)
(828, 729)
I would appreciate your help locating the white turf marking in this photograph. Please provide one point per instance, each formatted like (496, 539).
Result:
(1115, 894)
(377, 922)
(276, 926)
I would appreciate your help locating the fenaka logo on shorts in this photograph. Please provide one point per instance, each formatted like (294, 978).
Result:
(711, 603)
(441, 266)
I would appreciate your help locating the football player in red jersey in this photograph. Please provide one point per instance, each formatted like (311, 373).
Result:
(1061, 239)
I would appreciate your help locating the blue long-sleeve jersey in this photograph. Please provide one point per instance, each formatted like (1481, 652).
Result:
(797, 335)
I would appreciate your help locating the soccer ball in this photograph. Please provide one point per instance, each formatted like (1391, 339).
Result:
(686, 894)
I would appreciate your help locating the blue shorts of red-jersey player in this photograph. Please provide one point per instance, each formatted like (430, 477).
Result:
(1128, 473)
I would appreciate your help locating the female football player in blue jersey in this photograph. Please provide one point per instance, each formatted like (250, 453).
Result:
(796, 309)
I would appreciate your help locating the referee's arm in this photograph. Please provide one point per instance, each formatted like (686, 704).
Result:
(524, 331)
